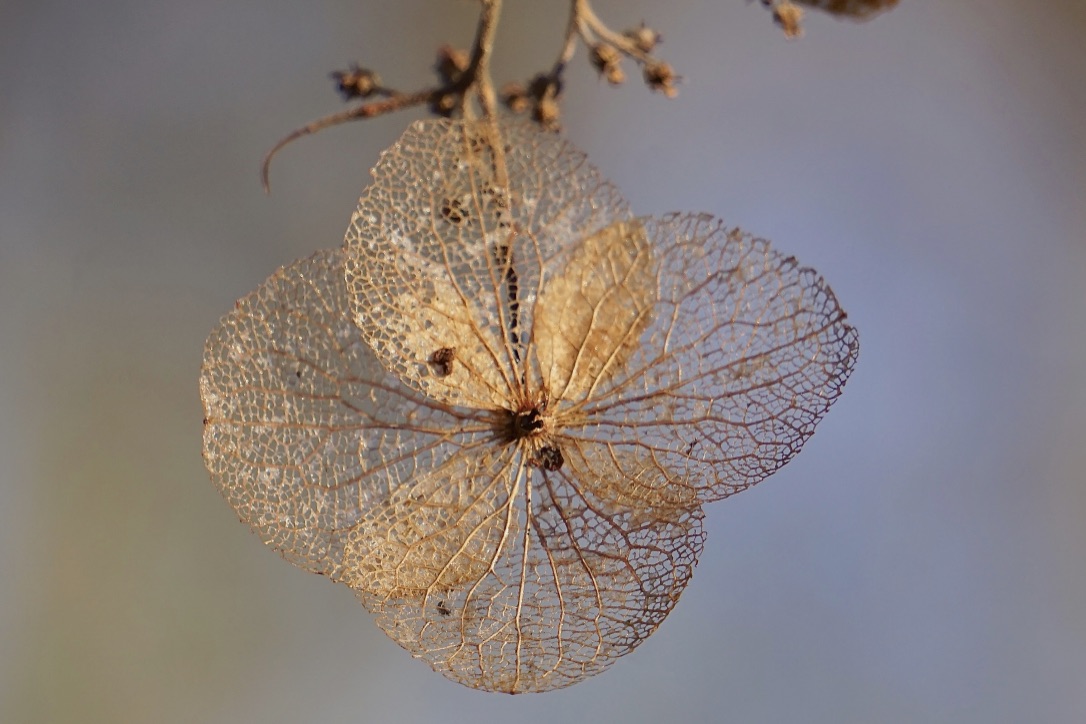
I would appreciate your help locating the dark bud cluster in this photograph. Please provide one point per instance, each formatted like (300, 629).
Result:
(356, 82)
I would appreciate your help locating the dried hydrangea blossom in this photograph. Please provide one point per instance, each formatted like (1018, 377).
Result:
(497, 412)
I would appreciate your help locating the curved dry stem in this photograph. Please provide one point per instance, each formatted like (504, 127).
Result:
(472, 80)
(569, 44)
(476, 77)
(395, 102)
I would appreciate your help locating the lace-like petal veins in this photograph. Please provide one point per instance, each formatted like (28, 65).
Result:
(590, 315)
(305, 431)
(745, 353)
(573, 582)
(626, 476)
(435, 316)
(437, 533)
(496, 414)
(446, 252)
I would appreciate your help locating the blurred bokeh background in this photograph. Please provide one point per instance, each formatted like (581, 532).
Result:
(924, 559)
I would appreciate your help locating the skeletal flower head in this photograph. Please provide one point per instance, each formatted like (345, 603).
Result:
(496, 413)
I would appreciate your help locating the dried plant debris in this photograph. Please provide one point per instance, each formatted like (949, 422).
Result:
(788, 14)
(789, 17)
(855, 9)
(499, 426)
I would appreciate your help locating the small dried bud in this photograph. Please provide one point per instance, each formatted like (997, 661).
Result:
(356, 82)
(615, 75)
(543, 86)
(607, 61)
(451, 64)
(546, 113)
(789, 15)
(444, 104)
(515, 97)
(644, 38)
(661, 77)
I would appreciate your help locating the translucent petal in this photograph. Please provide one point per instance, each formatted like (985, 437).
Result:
(437, 533)
(304, 430)
(745, 353)
(590, 314)
(565, 582)
(627, 476)
(446, 249)
(496, 414)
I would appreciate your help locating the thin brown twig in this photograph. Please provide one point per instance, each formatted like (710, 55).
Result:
(483, 49)
(569, 45)
(633, 44)
(395, 102)
(477, 76)
(481, 81)
(458, 89)
(589, 21)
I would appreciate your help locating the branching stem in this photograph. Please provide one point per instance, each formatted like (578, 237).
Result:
(395, 102)
(477, 77)
(569, 45)
(469, 81)
(482, 51)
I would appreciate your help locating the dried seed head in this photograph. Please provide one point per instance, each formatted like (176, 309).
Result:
(543, 86)
(514, 96)
(614, 74)
(661, 78)
(547, 113)
(451, 64)
(644, 38)
(356, 82)
(603, 54)
(607, 61)
(444, 104)
(541, 97)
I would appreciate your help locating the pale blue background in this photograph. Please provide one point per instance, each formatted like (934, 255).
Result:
(924, 559)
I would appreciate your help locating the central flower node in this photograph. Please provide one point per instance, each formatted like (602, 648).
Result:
(526, 422)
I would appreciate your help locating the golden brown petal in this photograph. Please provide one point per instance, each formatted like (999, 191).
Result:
(437, 533)
(590, 315)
